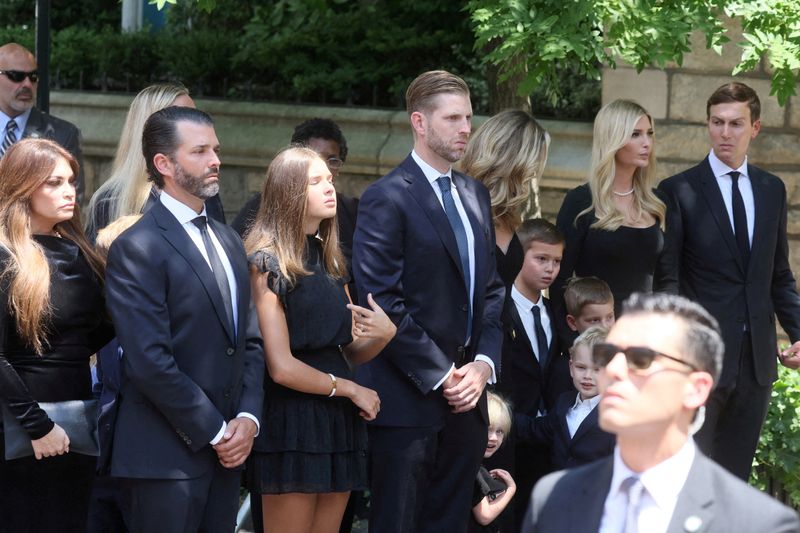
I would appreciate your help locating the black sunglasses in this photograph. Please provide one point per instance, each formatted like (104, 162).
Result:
(17, 76)
(638, 357)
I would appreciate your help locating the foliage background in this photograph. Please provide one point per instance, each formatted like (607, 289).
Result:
(347, 52)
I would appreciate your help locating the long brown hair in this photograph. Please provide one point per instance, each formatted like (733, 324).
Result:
(278, 226)
(25, 167)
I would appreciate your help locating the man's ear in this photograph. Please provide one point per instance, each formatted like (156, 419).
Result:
(163, 164)
(756, 128)
(419, 122)
(698, 389)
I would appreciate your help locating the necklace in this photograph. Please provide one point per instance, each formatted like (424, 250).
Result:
(626, 193)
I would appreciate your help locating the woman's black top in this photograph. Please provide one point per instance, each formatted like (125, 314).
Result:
(510, 263)
(628, 259)
(77, 329)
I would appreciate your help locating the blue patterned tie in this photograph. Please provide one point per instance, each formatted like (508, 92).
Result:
(10, 137)
(461, 237)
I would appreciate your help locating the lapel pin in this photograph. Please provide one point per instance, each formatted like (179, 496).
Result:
(692, 524)
(513, 334)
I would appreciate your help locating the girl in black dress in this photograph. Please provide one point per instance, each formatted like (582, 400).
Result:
(508, 154)
(52, 322)
(614, 224)
(311, 451)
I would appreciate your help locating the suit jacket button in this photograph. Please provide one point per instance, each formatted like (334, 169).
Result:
(229, 351)
(464, 308)
(460, 350)
(189, 442)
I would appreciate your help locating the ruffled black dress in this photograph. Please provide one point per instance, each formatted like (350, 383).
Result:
(310, 443)
(51, 494)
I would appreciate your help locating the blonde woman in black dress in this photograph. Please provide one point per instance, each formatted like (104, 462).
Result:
(311, 451)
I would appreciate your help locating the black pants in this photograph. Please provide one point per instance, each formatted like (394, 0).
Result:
(206, 504)
(734, 416)
(422, 478)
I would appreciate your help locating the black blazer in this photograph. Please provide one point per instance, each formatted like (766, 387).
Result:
(185, 371)
(572, 501)
(706, 266)
(405, 254)
(41, 125)
(589, 443)
(522, 379)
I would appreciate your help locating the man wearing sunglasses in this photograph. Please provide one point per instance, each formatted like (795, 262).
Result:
(658, 367)
(18, 116)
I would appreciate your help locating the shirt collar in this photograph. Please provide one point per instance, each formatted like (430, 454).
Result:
(721, 169)
(522, 300)
(179, 210)
(663, 481)
(21, 120)
(431, 174)
(591, 403)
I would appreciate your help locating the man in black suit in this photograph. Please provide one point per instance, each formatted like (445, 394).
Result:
(424, 248)
(178, 291)
(19, 118)
(658, 367)
(727, 246)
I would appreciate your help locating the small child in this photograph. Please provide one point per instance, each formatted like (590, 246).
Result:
(488, 504)
(571, 429)
(589, 302)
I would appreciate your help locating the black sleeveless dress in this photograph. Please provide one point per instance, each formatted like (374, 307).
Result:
(51, 494)
(310, 443)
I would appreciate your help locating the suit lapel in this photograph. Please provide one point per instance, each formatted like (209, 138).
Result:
(422, 192)
(592, 499)
(695, 506)
(709, 188)
(759, 205)
(180, 240)
(36, 126)
(238, 262)
(590, 421)
(518, 335)
(479, 230)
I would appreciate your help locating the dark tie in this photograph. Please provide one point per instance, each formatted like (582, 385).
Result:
(739, 219)
(10, 136)
(633, 488)
(216, 268)
(541, 338)
(461, 237)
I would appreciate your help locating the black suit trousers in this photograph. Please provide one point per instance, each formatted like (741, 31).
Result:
(423, 478)
(734, 416)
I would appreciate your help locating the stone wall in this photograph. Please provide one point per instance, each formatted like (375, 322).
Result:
(251, 133)
(676, 97)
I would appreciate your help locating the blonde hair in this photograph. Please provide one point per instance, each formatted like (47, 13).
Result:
(613, 128)
(499, 412)
(589, 338)
(428, 85)
(508, 154)
(278, 226)
(23, 169)
(127, 188)
(107, 235)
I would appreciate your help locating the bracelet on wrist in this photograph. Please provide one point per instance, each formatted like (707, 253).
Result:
(333, 386)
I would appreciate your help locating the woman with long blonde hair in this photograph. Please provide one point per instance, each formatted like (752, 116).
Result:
(128, 191)
(53, 320)
(507, 154)
(311, 451)
(614, 224)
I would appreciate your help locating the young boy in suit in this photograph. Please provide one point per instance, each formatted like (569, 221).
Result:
(571, 429)
(589, 302)
(533, 372)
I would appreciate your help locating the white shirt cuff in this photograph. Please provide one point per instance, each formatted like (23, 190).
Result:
(447, 375)
(485, 359)
(251, 417)
(219, 436)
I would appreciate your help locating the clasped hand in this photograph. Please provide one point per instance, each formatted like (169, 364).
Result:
(790, 357)
(236, 443)
(464, 386)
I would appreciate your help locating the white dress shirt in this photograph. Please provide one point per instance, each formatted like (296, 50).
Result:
(579, 411)
(524, 308)
(662, 486)
(431, 174)
(185, 215)
(725, 183)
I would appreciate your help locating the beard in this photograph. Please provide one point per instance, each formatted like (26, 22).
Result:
(441, 148)
(195, 185)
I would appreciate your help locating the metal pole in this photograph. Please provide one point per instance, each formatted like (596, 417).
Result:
(43, 54)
